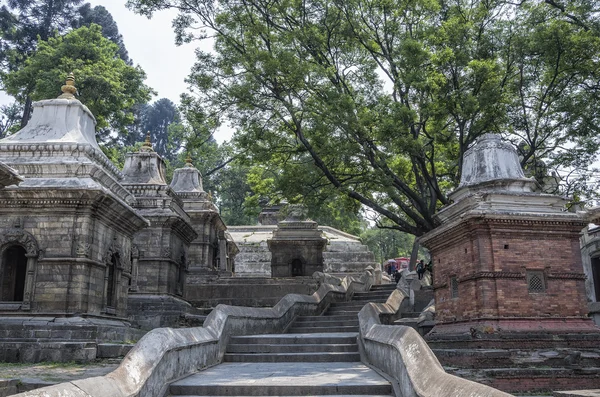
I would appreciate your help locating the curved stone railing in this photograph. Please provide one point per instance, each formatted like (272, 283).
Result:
(165, 354)
(402, 354)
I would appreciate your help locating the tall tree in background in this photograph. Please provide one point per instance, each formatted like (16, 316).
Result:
(107, 85)
(24, 22)
(384, 97)
(100, 16)
(156, 120)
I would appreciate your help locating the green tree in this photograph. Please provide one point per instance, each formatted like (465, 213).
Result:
(100, 16)
(156, 120)
(107, 85)
(9, 118)
(382, 98)
(387, 243)
(22, 24)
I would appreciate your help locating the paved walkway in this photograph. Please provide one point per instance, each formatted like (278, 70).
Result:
(284, 379)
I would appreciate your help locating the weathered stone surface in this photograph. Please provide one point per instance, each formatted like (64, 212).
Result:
(213, 250)
(8, 176)
(590, 258)
(403, 355)
(160, 258)
(491, 159)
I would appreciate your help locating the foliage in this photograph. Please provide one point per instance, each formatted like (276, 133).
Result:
(9, 118)
(100, 16)
(156, 120)
(22, 24)
(272, 186)
(381, 98)
(107, 85)
(24, 21)
(387, 243)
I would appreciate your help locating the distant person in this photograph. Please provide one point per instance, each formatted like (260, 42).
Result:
(397, 276)
(421, 269)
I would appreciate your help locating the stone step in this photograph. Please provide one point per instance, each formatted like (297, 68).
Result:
(346, 305)
(300, 348)
(523, 358)
(537, 380)
(337, 395)
(380, 299)
(390, 286)
(339, 328)
(328, 321)
(345, 312)
(311, 319)
(296, 357)
(323, 338)
(283, 379)
(373, 293)
(410, 314)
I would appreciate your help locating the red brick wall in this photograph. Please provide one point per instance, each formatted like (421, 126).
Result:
(490, 259)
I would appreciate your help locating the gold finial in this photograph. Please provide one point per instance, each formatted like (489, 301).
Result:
(147, 146)
(69, 90)
(188, 161)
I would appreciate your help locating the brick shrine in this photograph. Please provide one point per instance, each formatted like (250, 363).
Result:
(506, 258)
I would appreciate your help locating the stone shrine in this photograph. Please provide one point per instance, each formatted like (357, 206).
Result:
(296, 246)
(65, 234)
(160, 250)
(210, 252)
(506, 257)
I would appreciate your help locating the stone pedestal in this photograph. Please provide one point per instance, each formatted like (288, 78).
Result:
(506, 258)
(296, 249)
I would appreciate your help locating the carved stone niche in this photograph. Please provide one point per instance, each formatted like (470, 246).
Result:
(296, 249)
(18, 260)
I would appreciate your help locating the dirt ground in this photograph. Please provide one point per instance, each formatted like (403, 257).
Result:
(42, 374)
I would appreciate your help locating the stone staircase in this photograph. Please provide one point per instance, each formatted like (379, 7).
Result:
(317, 356)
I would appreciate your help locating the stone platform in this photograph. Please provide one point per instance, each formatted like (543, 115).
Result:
(64, 339)
(208, 292)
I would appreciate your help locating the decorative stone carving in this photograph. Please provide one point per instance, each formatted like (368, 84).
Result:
(21, 237)
(8, 176)
(83, 249)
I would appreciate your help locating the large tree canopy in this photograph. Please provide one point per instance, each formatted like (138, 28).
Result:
(106, 84)
(381, 98)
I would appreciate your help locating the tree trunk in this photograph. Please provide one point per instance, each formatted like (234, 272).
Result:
(414, 254)
(26, 112)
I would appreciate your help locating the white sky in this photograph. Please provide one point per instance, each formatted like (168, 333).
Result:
(151, 44)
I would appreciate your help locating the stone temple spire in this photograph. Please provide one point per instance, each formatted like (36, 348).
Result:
(187, 179)
(491, 164)
(145, 167)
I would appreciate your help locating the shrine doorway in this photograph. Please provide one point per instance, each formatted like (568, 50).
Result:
(13, 271)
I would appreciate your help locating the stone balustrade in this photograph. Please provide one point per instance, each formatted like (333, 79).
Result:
(165, 354)
(403, 354)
